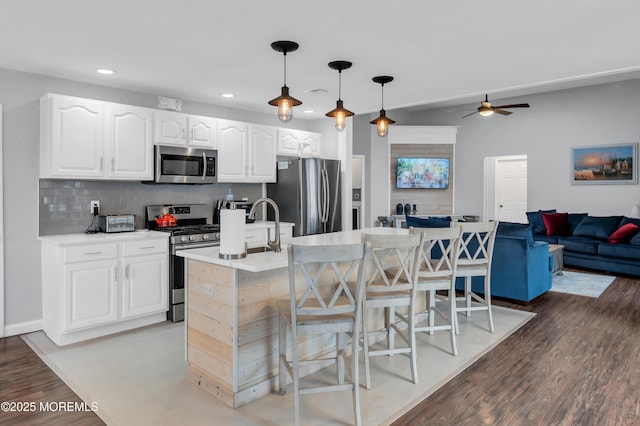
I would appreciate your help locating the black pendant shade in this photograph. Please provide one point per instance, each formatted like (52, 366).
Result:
(285, 102)
(339, 113)
(382, 122)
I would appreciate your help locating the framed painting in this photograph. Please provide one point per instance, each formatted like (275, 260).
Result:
(604, 164)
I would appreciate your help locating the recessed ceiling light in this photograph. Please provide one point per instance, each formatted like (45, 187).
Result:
(106, 71)
(308, 111)
(228, 95)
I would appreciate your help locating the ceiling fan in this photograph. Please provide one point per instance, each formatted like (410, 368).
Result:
(486, 109)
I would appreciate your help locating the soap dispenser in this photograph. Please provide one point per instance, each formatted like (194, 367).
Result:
(229, 195)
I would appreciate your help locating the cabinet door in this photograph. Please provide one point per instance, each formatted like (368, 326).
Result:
(90, 294)
(262, 154)
(76, 138)
(289, 142)
(145, 288)
(170, 128)
(202, 131)
(129, 142)
(311, 144)
(233, 142)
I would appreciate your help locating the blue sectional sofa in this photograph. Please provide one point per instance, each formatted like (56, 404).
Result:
(521, 268)
(605, 243)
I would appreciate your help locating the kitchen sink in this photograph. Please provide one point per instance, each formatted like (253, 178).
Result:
(259, 249)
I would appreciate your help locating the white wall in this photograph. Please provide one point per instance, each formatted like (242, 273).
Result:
(556, 121)
(20, 94)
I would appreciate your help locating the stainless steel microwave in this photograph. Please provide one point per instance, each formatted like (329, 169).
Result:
(174, 164)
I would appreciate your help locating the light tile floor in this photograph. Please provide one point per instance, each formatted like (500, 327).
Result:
(139, 378)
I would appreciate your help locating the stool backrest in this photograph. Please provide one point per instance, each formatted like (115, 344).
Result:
(477, 243)
(326, 271)
(394, 258)
(439, 249)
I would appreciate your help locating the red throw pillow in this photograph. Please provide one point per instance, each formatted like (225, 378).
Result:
(556, 223)
(623, 234)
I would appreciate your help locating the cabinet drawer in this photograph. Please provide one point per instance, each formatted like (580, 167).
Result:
(89, 252)
(146, 246)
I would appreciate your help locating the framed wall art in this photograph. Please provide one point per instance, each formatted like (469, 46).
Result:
(604, 164)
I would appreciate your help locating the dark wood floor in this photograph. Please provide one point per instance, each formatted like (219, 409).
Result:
(576, 363)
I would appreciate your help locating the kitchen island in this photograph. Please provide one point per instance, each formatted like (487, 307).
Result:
(232, 319)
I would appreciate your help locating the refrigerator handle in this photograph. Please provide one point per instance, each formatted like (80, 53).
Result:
(325, 196)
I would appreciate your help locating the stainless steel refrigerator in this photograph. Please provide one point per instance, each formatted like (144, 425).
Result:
(308, 194)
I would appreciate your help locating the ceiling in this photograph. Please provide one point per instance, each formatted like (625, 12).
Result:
(440, 52)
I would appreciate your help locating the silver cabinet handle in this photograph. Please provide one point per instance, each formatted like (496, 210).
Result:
(101, 163)
(93, 252)
(183, 133)
(113, 162)
(146, 247)
(191, 135)
(126, 272)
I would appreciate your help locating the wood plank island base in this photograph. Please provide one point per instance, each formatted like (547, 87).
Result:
(232, 319)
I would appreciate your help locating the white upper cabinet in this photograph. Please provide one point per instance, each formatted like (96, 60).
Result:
(129, 142)
(246, 153)
(202, 131)
(175, 128)
(299, 143)
(262, 154)
(170, 128)
(87, 139)
(71, 137)
(233, 148)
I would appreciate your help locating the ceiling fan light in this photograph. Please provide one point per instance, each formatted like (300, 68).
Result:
(485, 112)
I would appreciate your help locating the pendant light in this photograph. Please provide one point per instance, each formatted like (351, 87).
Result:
(382, 123)
(340, 114)
(284, 102)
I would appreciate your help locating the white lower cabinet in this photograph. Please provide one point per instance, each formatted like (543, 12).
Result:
(93, 289)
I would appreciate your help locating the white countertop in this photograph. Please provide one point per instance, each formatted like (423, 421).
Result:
(101, 237)
(259, 262)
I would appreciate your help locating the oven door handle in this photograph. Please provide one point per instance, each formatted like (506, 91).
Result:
(174, 249)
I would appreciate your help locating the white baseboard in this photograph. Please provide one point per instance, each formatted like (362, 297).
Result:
(22, 328)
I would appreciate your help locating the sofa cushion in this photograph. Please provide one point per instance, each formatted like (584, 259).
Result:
(556, 223)
(574, 220)
(623, 234)
(429, 222)
(579, 244)
(535, 219)
(635, 241)
(622, 251)
(597, 227)
(633, 220)
(512, 229)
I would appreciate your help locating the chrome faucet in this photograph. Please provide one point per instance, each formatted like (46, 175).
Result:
(275, 244)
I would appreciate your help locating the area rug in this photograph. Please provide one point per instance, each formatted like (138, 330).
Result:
(139, 378)
(582, 284)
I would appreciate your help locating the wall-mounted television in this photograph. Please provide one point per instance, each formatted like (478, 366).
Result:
(422, 173)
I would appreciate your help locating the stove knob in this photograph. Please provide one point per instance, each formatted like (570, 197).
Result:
(192, 237)
(205, 237)
(183, 239)
(217, 236)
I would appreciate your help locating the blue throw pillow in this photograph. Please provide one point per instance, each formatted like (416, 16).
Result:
(597, 227)
(518, 230)
(430, 222)
(574, 220)
(535, 219)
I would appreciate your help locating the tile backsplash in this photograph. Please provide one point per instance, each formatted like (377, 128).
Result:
(64, 204)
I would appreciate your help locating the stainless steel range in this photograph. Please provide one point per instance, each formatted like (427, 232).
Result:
(192, 229)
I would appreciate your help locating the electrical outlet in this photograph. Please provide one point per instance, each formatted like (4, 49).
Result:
(95, 207)
(208, 290)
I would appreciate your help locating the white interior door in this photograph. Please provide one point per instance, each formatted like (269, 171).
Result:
(1, 232)
(506, 188)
